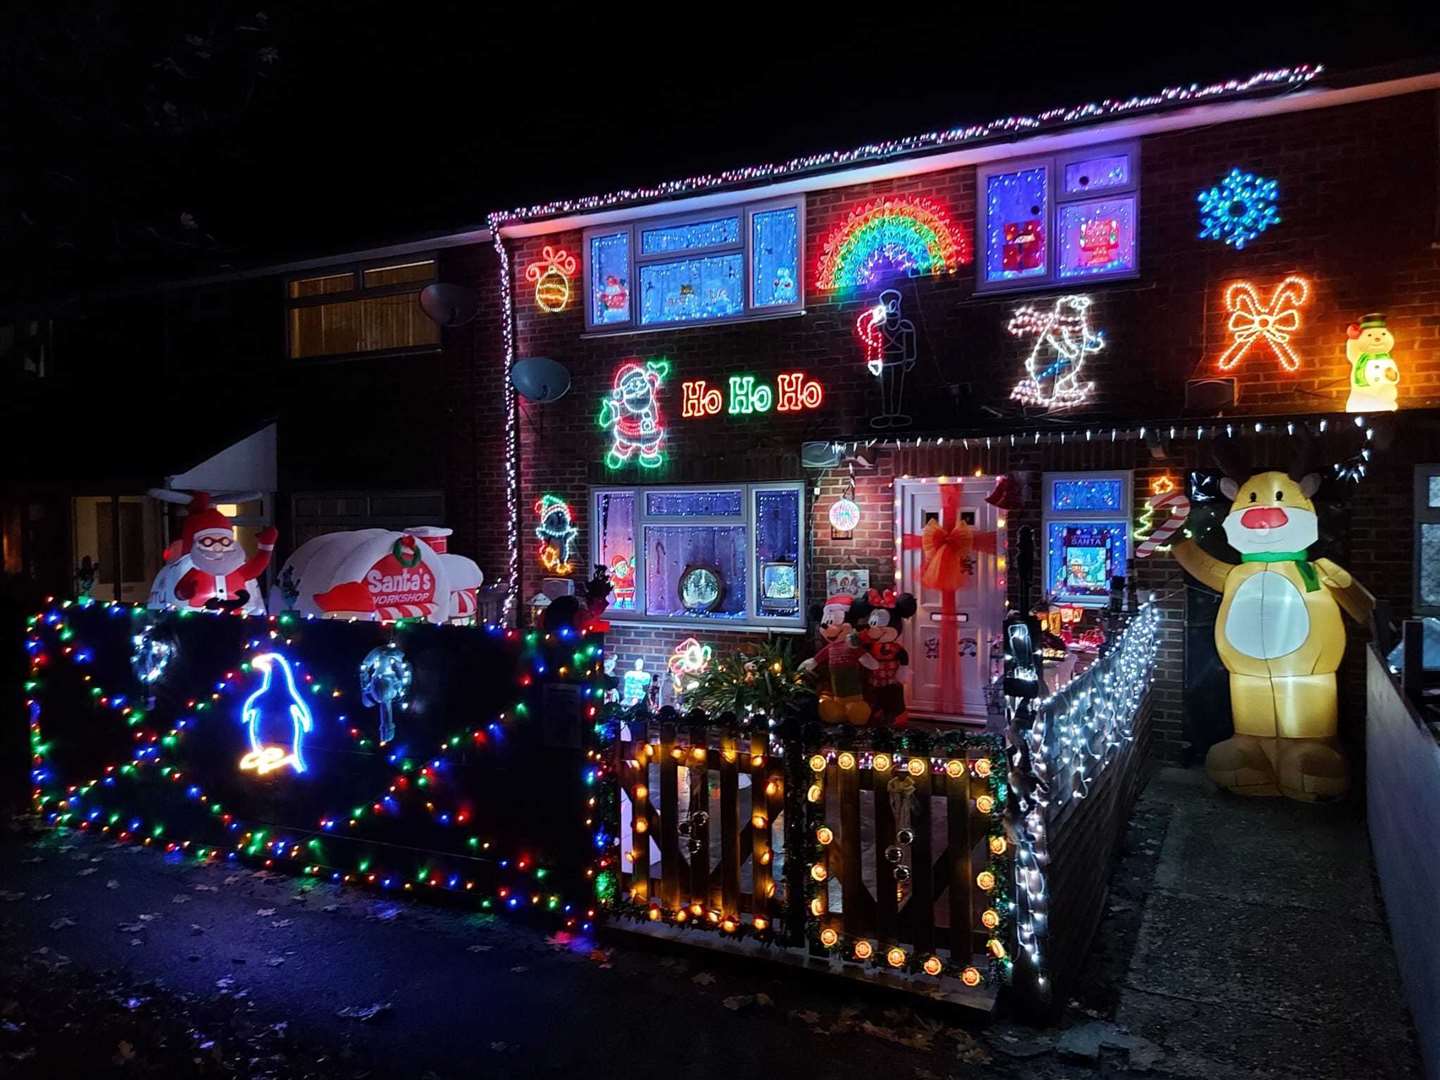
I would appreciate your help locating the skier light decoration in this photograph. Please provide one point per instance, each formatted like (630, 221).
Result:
(272, 708)
(1063, 339)
(1253, 322)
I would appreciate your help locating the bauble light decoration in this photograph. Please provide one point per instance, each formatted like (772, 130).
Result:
(551, 274)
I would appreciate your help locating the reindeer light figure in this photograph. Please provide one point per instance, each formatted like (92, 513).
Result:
(1062, 341)
(1279, 634)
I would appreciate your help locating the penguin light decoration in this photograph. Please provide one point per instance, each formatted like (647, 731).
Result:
(276, 719)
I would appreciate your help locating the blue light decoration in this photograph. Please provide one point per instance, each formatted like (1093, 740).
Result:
(1238, 209)
(273, 706)
(385, 677)
(1081, 559)
(150, 657)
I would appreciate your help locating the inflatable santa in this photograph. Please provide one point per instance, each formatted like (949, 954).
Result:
(208, 568)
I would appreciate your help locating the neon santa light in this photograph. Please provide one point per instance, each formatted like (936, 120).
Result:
(275, 708)
(631, 413)
(890, 235)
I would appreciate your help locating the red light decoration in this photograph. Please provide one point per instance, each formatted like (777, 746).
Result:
(1252, 321)
(551, 274)
(794, 391)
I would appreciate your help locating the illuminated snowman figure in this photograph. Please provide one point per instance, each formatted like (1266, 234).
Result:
(276, 719)
(1374, 375)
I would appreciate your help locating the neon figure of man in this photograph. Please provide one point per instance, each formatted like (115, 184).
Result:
(272, 705)
(889, 353)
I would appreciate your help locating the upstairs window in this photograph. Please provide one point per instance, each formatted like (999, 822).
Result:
(732, 263)
(1060, 220)
(360, 309)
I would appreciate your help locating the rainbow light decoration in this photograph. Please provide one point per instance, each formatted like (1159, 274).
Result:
(887, 235)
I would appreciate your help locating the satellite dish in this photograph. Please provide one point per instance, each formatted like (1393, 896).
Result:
(449, 305)
(540, 379)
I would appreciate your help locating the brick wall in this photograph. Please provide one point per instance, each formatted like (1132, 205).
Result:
(1357, 198)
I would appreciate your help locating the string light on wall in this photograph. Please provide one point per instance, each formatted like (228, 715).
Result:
(1238, 209)
(1254, 322)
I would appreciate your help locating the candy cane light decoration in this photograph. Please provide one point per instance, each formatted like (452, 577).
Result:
(1253, 321)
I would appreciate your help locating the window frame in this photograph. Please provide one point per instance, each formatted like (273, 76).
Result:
(753, 621)
(1123, 516)
(1057, 199)
(358, 291)
(634, 227)
(1425, 514)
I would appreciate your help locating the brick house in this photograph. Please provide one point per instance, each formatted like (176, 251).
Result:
(1088, 218)
(1355, 168)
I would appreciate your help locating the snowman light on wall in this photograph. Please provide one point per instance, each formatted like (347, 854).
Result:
(1374, 375)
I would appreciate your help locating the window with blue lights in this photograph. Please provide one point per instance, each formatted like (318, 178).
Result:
(1065, 218)
(1086, 535)
(735, 263)
(716, 557)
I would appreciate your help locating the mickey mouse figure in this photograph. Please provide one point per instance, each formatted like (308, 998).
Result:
(881, 618)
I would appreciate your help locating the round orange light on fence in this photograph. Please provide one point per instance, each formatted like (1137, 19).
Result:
(654, 914)
(970, 976)
(985, 879)
(641, 825)
(641, 791)
(816, 793)
(997, 845)
(864, 950)
(916, 766)
(758, 820)
(698, 753)
(996, 947)
(729, 925)
(818, 872)
(817, 762)
(681, 915)
(824, 834)
(983, 766)
(828, 938)
(934, 965)
(697, 908)
(990, 918)
(846, 760)
(772, 788)
(895, 957)
(761, 923)
(954, 768)
(880, 763)
(985, 804)
(817, 906)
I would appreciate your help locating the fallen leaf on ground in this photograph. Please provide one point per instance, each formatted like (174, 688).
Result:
(131, 927)
(364, 1013)
(180, 899)
(61, 923)
(478, 948)
(205, 888)
(519, 969)
(87, 871)
(6, 894)
(275, 961)
(112, 884)
(703, 978)
(124, 1053)
(280, 924)
(265, 912)
(806, 1016)
(43, 896)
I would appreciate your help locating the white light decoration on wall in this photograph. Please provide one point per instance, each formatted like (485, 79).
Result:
(1063, 339)
(844, 511)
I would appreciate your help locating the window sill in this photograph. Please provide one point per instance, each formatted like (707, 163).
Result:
(618, 622)
(1051, 285)
(738, 320)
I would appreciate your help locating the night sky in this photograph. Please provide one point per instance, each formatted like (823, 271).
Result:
(193, 136)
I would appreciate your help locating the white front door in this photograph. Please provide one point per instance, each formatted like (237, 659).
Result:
(950, 638)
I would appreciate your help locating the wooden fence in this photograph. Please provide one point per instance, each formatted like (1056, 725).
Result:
(870, 852)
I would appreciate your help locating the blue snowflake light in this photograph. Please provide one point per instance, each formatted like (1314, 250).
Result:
(1239, 209)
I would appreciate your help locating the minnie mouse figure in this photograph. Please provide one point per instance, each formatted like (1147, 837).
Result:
(881, 618)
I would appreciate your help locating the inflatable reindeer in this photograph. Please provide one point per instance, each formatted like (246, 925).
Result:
(1279, 634)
